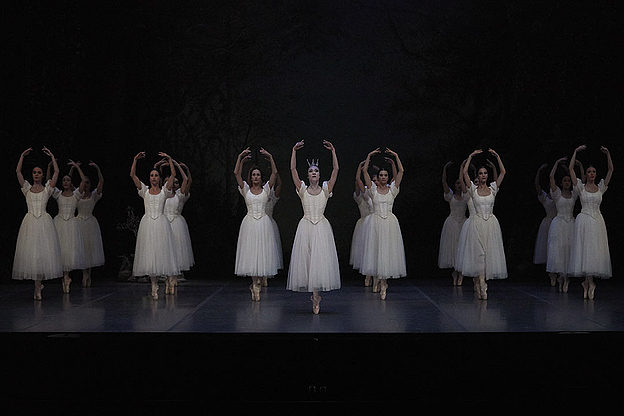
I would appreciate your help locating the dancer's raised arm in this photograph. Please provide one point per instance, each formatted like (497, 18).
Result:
(359, 185)
(607, 178)
(464, 186)
(467, 179)
(171, 167)
(399, 176)
(55, 175)
(83, 178)
(367, 178)
(100, 177)
(189, 179)
(494, 170)
(538, 187)
(135, 179)
(269, 157)
(184, 184)
(501, 175)
(553, 184)
(573, 162)
(293, 164)
(18, 169)
(334, 174)
(243, 157)
(444, 180)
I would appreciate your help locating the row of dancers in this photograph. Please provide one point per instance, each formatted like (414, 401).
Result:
(568, 246)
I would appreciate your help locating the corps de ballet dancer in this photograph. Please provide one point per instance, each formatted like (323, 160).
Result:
(589, 254)
(179, 227)
(274, 196)
(314, 260)
(37, 251)
(256, 250)
(365, 206)
(384, 252)
(484, 254)
(540, 251)
(561, 227)
(451, 229)
(68, 226)
(155, 252)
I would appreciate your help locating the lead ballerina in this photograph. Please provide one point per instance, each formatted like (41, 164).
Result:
(314, 260)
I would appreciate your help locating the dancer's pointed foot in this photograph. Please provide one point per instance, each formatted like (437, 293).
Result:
(367, 281)
(66, 282)
(560, 281)
(375, 285)
(553, 280)
(460, 279)
(585, 288)
(155, 291)
(316, 304)
(265, 281)
(566, 284)
(590, 290)
(38, 288)
(383, 289)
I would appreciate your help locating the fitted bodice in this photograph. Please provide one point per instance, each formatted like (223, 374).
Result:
(364, 203)
(549, 205)
(66, 204)
(382, 203)
(154, 204)
(471, 207)
(37, 202)
(484, 205)
(565, 206)
(590, 201)
(256, 204)
(458, 207)
(86, 205)
(314, 205)
(174, 205)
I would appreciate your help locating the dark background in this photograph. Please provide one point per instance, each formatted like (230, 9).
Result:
(202, 80)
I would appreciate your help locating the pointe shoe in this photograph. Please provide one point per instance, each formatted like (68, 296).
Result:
(383, 291)
(154, 291)
(553, 280)
(566, 283)
(454, 280)
(483, 291)
(316, 304)
(591, 290)
(560, 281)
(38, 288)
(375, 285)
(255, 291)
(460, 280)
(367, 281)
(584, 284)
(168, 286)
(265, 282)
(66, 282)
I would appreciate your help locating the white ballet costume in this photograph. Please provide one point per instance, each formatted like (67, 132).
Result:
(181, 235)
(278, 240)
(540, 253)
(155, 252)
(589, 255)
(91, 234)
(463, 235)
(365, 206)
(451, 230)
(256, 250)
(314, 260)
(484, 253)
(384, 253)
(560, 233)
(69, 232)
(37, 251)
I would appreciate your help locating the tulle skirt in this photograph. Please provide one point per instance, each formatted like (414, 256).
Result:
(540, 253)
(256, 250)
(182, 242)
(461, 244)
(589, 255)
(155, 252)
(559, 245)
(72, 243)
(449, 241)
(357, 245)
(92, 237)
(37, 251)
(278, 243)
(384, 253)
(484, 253)
(313, 261)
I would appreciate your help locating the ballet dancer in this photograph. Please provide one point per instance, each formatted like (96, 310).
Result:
(484, 255)
(274, 196)
(256, 249)
(155, 252)
(384, 253)
(365, 206)
(314, 260)
(451, 230)
(589, 254)
(540, 252)
(37, 251)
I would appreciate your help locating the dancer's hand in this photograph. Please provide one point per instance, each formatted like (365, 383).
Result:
(581, 147)
(604, 150)
(265, 153)
(165, 155)
(328, 145)
(139, 155)
(298, 145)
(26, 152)
(47, 152)
(476, 152)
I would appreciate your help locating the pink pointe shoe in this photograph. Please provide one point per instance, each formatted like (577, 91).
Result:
(316, 304)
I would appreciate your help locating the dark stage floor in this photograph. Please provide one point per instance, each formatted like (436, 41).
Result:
(428, 342)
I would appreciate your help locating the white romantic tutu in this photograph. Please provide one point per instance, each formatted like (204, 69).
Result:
(314, 261)
(278, 244)
(72, 243)
(559, 245)
(37, 252)
(589, 255)
(384, 253)
(182, 242)
(449, 241)
(92, 237)
(357, 245)
(483, 252)
(256, 250)
(540, 253)
(461, 244)
(155, 252)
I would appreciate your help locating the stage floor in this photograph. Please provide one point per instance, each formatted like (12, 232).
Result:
(225, 306)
